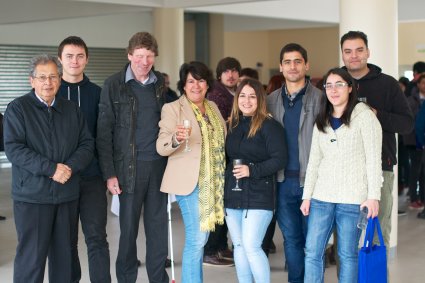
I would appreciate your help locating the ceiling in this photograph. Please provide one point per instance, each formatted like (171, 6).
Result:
(283, 14)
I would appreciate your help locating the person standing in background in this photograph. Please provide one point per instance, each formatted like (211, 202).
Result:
(170, 95)
(1, 149)
(92, 207)
(217, 252)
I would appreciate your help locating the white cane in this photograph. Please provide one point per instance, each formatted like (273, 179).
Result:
(170, 231)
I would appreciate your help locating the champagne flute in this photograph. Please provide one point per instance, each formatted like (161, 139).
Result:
(235, 163)
(188, 127)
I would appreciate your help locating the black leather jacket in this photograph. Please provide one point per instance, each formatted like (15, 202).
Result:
(116, 128)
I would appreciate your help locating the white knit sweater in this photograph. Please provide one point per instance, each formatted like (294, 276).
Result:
(345, 164)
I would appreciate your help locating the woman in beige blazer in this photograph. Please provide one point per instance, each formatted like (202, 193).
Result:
(196, 177)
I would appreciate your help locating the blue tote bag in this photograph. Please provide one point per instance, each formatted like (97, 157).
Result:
(373, 258)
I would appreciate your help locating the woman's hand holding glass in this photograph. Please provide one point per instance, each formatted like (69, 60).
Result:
(182, 134)
(239, 171)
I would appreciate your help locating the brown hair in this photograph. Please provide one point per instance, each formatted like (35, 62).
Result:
(275, 82)
(142, 40)
(72, 40)
(260, 113)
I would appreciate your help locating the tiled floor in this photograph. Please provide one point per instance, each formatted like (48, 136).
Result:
(408, 267)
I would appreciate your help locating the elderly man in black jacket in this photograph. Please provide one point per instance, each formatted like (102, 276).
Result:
(48, 143)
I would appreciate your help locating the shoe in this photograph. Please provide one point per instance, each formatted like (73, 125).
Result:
(330, 255)
(416, 205)
(401, 213)
(215, 260)
(226, 254)
(272, 249)
(167, 263)
(2, 217)
(421, 214)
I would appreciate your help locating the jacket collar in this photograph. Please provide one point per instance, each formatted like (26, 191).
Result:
(57, 104)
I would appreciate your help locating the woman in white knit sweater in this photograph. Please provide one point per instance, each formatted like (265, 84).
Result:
(343, 175)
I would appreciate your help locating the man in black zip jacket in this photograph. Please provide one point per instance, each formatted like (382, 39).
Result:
(388, 102)
(76, 86)
(48, 143)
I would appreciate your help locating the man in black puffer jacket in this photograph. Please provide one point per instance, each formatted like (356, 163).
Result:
(47, 141)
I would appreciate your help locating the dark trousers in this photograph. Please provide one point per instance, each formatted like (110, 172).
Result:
(44, 231)
(147, 195)
(93, 207)
(403, 165)
(217, 240)
(416, 174)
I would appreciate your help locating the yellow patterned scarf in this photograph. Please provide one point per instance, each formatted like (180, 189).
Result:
(211, 173)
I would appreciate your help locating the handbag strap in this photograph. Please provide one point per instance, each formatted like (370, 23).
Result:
(378, 227)
(370, 232)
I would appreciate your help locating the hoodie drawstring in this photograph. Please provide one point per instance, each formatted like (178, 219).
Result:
(79, 98)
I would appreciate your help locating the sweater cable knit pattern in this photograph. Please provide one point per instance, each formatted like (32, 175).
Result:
(345, 164)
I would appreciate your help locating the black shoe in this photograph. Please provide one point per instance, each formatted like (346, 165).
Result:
(2, 217)
(401, 213)
(272, 249)
(421, 214)
(167, 263)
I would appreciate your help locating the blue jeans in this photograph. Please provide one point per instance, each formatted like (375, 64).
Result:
(247, 229)
(293, 226)
(323, 218)
(195, 240)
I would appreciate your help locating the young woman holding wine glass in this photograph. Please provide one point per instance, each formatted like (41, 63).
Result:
(255, 153)
(192, 133)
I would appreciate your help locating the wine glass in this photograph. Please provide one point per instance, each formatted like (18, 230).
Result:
(188, 127)
(237, 162)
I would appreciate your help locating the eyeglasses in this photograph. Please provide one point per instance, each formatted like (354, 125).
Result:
(43, 78)
(337, 85)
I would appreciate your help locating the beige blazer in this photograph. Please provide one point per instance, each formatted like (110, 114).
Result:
(182, 171)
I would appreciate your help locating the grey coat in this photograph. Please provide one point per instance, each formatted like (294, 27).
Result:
(310, 109)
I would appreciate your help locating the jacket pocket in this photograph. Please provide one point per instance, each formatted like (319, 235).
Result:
(262, 191)
(122, 112)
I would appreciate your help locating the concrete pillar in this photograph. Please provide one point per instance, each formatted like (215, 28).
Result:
(169, 32)
(216, 40)
(379, 20)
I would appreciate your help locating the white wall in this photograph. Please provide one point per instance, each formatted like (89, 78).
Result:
(111, 31)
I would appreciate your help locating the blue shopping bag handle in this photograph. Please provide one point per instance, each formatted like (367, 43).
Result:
(370, 232)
